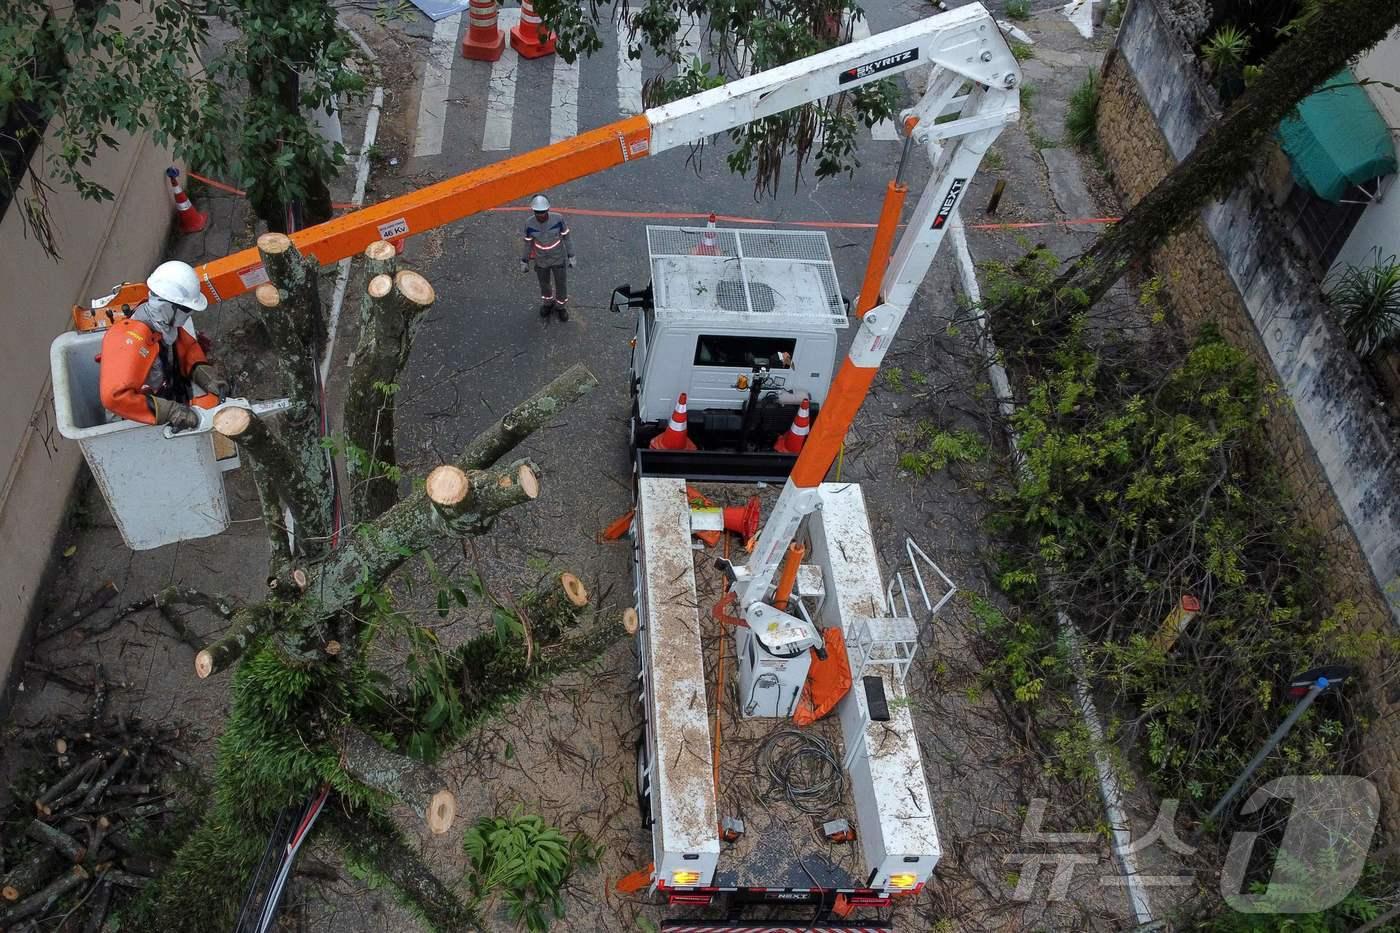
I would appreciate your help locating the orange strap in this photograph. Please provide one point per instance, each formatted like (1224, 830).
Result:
(638, 880)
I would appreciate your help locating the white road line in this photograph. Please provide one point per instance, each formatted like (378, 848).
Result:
(629, 76)
(437, 78)
(884, 130)
(500, 95)
(563, 101)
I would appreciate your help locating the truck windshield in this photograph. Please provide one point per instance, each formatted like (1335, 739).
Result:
(730, 350)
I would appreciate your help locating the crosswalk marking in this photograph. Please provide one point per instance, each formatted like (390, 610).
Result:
(563, 102)
(629, 75)
(566, 88)
(500, 93)
(437, 78)
(885, 129)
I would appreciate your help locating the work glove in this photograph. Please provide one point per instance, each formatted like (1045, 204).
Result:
(210, 378)
(572, 262)
(179, 417)
(524, 266)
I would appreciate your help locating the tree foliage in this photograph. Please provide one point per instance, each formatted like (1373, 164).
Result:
(85, 75)
(1143, 480)
(742, 37)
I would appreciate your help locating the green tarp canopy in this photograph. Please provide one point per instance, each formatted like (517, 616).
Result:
(1336, 139)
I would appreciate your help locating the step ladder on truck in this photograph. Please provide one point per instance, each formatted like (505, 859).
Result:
(734, 330)
(764, 340)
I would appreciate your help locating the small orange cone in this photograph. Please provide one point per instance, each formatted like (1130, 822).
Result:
(525, 36)
(743, 520)
(709, 241)
(619, 527)
(675, 436)
(189, 219)
(637, 881)
(796, 436)
(484, 42)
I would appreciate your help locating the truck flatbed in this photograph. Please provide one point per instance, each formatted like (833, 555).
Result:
(878, 788)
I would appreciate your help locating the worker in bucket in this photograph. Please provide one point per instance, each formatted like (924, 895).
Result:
(547, 243)
(152, 370)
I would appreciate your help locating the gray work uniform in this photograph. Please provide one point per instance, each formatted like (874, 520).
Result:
(550, 246)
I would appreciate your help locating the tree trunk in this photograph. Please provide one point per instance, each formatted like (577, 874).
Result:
(1224, 155)
(291, 307)
(271, 459)
(522, 420)
(390, 311)
(367, 558)
(374, 844)
(221, 654)
(405, 779)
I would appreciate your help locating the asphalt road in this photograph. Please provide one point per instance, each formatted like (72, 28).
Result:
(484, 346)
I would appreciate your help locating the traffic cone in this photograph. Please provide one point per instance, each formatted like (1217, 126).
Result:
(675, 436)
(189, 219)
(709, 241)
(796, 436)
(484, 41)
(525, 36)
(743, 520)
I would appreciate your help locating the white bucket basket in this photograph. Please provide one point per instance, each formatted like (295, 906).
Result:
(160, 487)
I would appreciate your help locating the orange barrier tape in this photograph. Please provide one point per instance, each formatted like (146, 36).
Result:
(705, 215)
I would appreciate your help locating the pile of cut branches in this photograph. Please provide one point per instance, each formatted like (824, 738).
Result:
(90, 825)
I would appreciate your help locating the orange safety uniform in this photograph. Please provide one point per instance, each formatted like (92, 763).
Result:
(138, 367)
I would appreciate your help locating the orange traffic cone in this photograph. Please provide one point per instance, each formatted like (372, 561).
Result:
(709, 241)
(675, 436)
(796, 436)
(189, 219)
(525, 37)
(744, 519)
(484, 42)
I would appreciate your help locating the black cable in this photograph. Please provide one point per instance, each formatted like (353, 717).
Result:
(804, 769)
(281, 832)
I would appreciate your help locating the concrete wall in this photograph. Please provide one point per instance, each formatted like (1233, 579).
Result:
(101, 243)
(1380, 222)
(1239, 268)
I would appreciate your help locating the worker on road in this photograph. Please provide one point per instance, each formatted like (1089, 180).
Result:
(152, 369)
(544, 234)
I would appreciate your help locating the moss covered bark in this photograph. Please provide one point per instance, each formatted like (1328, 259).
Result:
(291, 311)
(391, 308)
(375, 848)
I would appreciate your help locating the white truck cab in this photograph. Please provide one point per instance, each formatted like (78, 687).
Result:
(745, 323)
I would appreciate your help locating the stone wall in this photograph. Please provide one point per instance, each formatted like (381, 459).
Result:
(1239, 269)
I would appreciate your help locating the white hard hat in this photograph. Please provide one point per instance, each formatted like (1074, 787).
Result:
(539, 203)
(177, 283)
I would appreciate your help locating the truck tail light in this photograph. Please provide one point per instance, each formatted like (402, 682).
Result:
(685, 879)
(903, 882)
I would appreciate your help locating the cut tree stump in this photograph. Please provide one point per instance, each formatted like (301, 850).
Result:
(413, 782)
